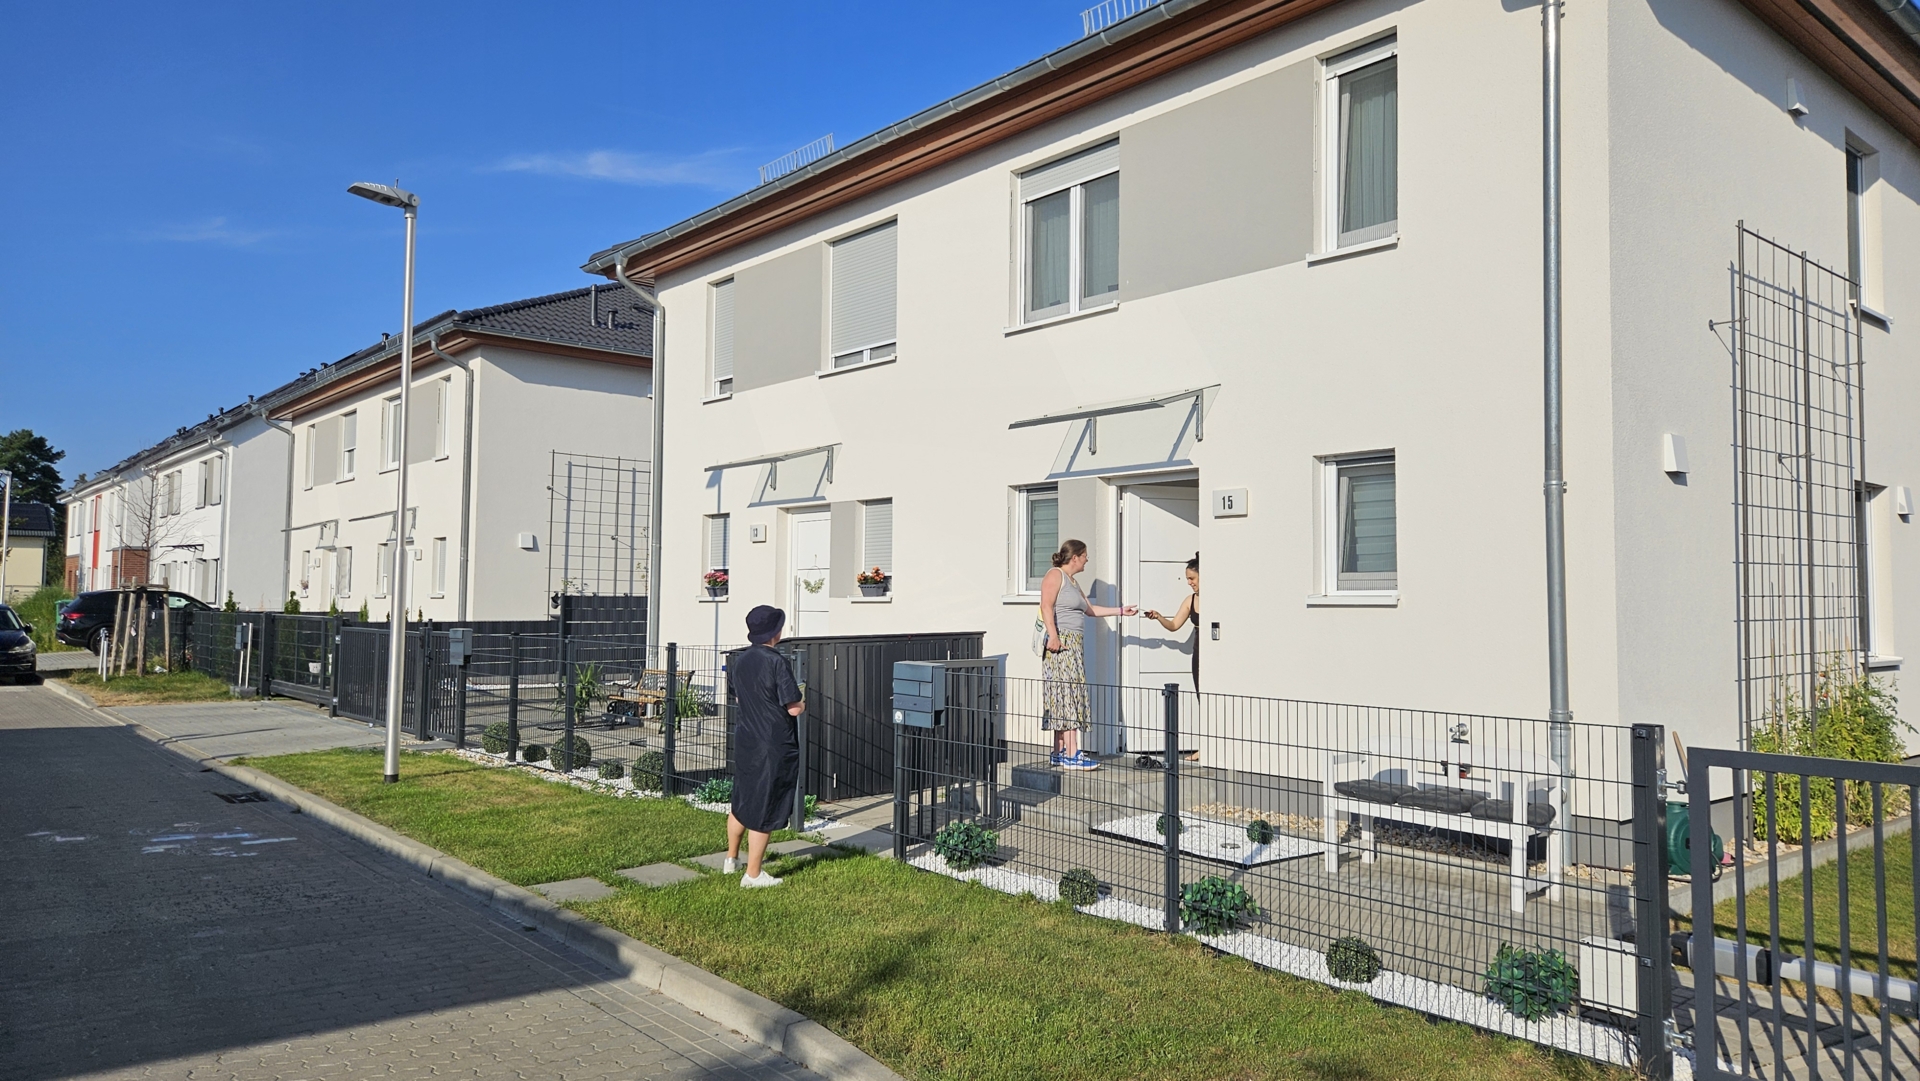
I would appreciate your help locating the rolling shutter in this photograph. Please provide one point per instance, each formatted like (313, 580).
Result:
(877, 543)
(865, 277)
(1071, 170)
(723, 331)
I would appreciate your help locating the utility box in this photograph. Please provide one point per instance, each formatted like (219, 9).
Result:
(919, 693)
(1609, 976)
(459, 646)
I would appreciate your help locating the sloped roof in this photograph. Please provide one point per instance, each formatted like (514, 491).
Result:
(31, 520)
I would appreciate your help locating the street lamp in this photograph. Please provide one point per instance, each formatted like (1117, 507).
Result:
(408, 202)
(6, 528)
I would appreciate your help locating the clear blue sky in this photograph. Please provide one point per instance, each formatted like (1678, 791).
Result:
(177, 234)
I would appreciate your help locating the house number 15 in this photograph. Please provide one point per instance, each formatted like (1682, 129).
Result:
(1230, 503)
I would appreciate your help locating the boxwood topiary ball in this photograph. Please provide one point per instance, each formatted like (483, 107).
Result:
(1160, 825)
(611, 770)
(1260, 831)
(533, 752)
(582, 753)
(1079, 887)
(1352, 960)
(648, 769)
(493, 739)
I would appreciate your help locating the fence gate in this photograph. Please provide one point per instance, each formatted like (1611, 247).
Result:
(1798, 447)
(1798, 974)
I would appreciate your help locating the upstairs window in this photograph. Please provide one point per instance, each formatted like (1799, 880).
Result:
(864, 296)
(1070, 228)
(1039, 528)
(722, 385)
(349, 443)
(442, 392)
(1362, 127)
(390, 417)
(717, 538)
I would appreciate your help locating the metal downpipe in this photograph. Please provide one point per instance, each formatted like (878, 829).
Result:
(656, 491)
(1559, 713)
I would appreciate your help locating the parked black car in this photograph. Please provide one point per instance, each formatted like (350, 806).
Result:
(18, 658)
(89, 617)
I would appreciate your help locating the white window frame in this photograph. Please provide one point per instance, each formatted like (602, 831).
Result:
(1022, 515)
(200, 487)
(306, 571)
(1076, 243)
(1331, 156)
(307, 481)
(443, 393)
(865, 354)
(343, 572)
(383, 572)
(349, 442)
(718, 388)
(1332, 518)
(390, 448)
(439, 567)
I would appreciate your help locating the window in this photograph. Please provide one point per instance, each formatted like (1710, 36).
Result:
(876, 535)
(864, 294)
(1362, 544)
(723, 339)
(216, 479)
(439, 566)
(1038, 536)
(1362, 153)
(1070, 226)
(173, 492)
(1863, 234)
(383, 558)
(349, 442)
(200, 488)
(441, 392)
(717, 550)
(1872, 520)
(343, 572)
(390, 418)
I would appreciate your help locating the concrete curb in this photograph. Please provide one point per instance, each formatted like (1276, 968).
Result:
(761, 1020)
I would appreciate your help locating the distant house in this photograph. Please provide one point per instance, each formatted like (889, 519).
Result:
(30, 532)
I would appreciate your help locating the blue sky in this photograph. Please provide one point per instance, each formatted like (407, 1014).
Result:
(178, 234)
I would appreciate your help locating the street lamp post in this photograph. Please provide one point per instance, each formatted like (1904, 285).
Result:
(6, 531)
(409, 203)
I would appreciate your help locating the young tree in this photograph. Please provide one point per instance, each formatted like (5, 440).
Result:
(148, 525)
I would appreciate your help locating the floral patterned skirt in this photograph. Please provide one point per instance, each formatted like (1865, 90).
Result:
(1064, 694)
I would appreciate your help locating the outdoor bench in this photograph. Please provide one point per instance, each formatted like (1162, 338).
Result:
(1488, 792)
(642, 697)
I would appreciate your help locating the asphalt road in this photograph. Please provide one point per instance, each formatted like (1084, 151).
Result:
(156, 930)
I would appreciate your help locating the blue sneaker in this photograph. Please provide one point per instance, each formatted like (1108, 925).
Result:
(1080, 760)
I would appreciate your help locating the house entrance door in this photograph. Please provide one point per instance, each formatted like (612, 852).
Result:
(810, 563)
(1160, 526)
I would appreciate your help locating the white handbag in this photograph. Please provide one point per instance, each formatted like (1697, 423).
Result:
(1039, 637)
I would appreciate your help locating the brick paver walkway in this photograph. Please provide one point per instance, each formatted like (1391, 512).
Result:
(155, 930)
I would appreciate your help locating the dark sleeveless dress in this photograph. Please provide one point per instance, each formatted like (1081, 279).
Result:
(1196, 641)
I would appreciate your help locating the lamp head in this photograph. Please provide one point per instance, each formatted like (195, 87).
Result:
(385, 194)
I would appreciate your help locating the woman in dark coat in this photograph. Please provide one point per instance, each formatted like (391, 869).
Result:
(766, 743)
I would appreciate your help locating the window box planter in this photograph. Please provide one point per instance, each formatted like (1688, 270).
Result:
(873, 583)
(875, 589)
(716, 591)
(716, 583)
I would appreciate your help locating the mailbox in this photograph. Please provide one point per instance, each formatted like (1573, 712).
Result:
(919, 693)
(459, 646)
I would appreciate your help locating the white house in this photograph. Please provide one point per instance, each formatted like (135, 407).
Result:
(504, 400)
(1262, 280)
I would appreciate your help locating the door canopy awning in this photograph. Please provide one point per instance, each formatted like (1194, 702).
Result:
(774, 460)
(1092, 413)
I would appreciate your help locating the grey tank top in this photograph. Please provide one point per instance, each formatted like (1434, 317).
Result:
(1070, 609)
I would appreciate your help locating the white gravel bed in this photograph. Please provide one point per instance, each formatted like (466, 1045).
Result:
(589, 779)
(1222, 842)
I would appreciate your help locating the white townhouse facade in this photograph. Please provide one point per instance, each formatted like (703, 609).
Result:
(498, 394)
(1261, 280)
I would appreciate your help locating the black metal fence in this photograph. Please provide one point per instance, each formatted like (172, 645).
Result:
(1445, 842)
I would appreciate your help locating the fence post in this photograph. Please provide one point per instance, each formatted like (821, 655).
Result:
(899, 792)
(267, 654)
(799, 822)
(669, 717)
(422, 685)
(564, 760)
(333, 668)
(1170, 695)
(513, 695)
(460, 700)
(1653, 952)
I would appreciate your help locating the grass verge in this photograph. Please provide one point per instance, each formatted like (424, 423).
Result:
(132, 690)
(41, 610)
(939, 979)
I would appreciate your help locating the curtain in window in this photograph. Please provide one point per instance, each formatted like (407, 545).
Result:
(1369, 152)
(1368, 541)
(1100, 239)
(1043, 536)
(1049, 240)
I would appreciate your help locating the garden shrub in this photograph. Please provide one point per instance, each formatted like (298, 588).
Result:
(1160, 825)
(582, 753)
(533, 752)
(1854, 718)
(1260, 831)
(1215, 906)
(965, 845)
(810, 804)
(1352, 960)
(686, 702)
(493, 739)
(714, 790)
(1079, 887)
(611, 770)
(1532, 985)
(649, 770)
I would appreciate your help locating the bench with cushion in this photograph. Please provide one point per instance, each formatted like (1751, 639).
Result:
(1485, 791)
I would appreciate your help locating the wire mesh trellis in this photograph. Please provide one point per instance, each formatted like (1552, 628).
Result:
(1798, 450)
(597, 525)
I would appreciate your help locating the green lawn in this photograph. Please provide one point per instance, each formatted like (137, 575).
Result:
(136, 690)
(936, 978)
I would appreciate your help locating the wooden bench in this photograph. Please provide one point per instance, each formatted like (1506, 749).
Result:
(1453, 786)
(643, 697)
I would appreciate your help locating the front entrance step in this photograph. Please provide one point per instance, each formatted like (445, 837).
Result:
(574, 889)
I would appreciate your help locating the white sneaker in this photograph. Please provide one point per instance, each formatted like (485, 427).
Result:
(765, 879)
(728, 867)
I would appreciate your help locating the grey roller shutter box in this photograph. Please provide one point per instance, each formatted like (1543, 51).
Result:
(326, 451)
(877, 536)
(1072, 169)
(423, 422)
(865, 280)
(723, 330)
(843, 542)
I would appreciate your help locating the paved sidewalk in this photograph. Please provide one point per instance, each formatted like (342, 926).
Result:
(157, 931)
(277, 726)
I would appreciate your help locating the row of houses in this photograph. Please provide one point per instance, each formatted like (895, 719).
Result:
(291, 494)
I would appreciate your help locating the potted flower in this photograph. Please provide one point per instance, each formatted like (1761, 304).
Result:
(873, 583)
(716, 583)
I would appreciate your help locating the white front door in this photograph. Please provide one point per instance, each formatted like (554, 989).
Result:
(811, 563)
(1162, 532)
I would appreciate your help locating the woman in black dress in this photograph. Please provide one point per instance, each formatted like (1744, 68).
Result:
(1189, 613)
(766, 743)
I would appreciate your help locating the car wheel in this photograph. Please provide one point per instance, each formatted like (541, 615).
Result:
(98, 641)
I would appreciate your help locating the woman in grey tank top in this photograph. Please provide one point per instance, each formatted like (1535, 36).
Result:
(1064, 609)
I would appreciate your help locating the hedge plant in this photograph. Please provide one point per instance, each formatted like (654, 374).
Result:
(1352, 960)
(1079, 887)
(1160, 825)
(714, 790)
(1260, 831)
(533, 752)
(965, 845)
(493, 739)
(1532, 985)
(648, 771)
(1215, 906)
(1854, 718)
(611, 770)
(582, 753)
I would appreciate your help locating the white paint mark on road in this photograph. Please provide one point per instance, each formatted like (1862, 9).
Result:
(268, 841)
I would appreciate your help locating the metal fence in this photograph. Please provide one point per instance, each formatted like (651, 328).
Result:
(1445, 841)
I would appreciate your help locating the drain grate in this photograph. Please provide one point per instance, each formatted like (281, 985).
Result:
(243, 797)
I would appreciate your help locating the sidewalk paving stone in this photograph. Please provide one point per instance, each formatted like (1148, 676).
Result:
(574, 889)
(659, 874)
